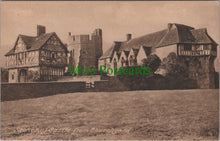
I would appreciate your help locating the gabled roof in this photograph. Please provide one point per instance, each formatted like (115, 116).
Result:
(177, 33)
(174, 34)
(135, 52)
(110, 51)
(126, 53)
(34, 43)
(118, 54)
(147, 50)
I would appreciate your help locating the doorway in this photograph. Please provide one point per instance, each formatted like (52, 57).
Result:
(23, 76)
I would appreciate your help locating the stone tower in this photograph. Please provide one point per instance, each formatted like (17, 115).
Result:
(85, 50)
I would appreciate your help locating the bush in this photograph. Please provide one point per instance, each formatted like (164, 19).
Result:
(152, 61)
(174, 67)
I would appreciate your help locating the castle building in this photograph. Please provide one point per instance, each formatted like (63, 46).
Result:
(85, 50)
(194, 47)
(39, 58)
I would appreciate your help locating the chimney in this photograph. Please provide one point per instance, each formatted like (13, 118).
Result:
(129, 36)
(69, 33)
(41, 30)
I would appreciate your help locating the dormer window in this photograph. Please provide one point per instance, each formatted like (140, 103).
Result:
(115, 64)
(122, 61)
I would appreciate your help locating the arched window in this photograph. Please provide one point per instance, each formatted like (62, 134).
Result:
(122, 61)
(115, 63)
(13, 76)
(131, 60)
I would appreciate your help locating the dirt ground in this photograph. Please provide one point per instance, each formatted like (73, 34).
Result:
(139, 115)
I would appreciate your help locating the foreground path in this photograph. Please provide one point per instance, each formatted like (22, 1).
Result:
(167, 114)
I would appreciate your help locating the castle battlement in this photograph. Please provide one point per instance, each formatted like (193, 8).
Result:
(97, 33)
(85, 49)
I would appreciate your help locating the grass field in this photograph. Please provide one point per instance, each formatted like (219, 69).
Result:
(167, 114)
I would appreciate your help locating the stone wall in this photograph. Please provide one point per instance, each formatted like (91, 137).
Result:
(14, 91)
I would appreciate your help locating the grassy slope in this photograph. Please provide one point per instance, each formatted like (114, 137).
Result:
(181, 114)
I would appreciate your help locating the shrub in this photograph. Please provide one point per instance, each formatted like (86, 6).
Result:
(152, 61)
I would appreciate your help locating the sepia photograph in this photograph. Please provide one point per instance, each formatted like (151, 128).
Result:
(109, 70)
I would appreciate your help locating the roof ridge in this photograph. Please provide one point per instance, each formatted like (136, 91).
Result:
(146, 35)
(26, 36)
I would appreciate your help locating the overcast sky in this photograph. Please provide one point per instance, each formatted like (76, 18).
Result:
(116, 19)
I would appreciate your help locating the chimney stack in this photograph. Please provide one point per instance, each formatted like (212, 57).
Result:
(129, 36)
(41, 30)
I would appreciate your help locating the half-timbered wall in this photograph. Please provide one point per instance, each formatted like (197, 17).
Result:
(23, 59)
(53, 58)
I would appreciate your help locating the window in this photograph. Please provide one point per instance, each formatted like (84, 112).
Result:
(131, 60)
(53, 55)
(198, 47)
(205, 47)
(115, 63)
(13, 76)
(187, 47)
(84, 52)
(122, 61)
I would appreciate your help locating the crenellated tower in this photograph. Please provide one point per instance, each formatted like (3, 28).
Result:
(85, 50)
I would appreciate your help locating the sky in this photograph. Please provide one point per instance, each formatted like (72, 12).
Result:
(116, 19)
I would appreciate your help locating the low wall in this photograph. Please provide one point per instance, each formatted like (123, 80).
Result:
(14, 91)
(110, 86)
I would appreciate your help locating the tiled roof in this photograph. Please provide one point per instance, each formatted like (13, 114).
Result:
(175, 33)
(110, 51)
(33, 43)
(201, 36)
(146, 40)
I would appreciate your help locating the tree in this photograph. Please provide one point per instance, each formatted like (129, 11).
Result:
(152, 61)
(173, 66)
